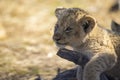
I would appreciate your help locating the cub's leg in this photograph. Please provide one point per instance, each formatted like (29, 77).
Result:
(79, 73)
(99, 64)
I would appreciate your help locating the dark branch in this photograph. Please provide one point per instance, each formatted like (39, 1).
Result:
(73, 56)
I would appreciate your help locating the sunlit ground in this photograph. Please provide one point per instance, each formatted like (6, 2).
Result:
(26, 28)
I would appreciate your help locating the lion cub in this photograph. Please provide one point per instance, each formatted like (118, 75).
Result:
(78, 29)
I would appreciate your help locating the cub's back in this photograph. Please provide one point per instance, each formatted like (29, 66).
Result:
(115, 37)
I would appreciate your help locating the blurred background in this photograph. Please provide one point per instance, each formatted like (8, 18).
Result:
(26, 27)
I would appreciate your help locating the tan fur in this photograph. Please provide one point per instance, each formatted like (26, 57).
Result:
(78, 29)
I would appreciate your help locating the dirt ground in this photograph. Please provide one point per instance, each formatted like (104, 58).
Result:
(26, 27)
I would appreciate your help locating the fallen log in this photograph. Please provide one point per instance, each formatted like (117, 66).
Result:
(78, 59)
(73, 56)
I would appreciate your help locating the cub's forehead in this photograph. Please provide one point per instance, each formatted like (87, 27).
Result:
(73, 12)
(65, 21)
(69, 14)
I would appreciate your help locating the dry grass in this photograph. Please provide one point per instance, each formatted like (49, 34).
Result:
(26, 28)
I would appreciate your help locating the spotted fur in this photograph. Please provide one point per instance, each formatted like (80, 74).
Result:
(78, 29)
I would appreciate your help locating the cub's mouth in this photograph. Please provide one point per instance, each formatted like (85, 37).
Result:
(58, 43)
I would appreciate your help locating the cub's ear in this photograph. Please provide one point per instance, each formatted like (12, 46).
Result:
(115, 26)
(59, 11)
(88, 23)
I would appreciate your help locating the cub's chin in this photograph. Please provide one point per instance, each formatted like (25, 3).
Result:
(66, 46)
(61, 45)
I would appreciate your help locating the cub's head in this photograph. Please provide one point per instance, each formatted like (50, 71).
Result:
(72, 26)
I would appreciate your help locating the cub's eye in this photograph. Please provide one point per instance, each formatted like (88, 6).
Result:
(68, 29)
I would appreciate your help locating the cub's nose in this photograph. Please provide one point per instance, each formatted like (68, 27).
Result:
(57, 37)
